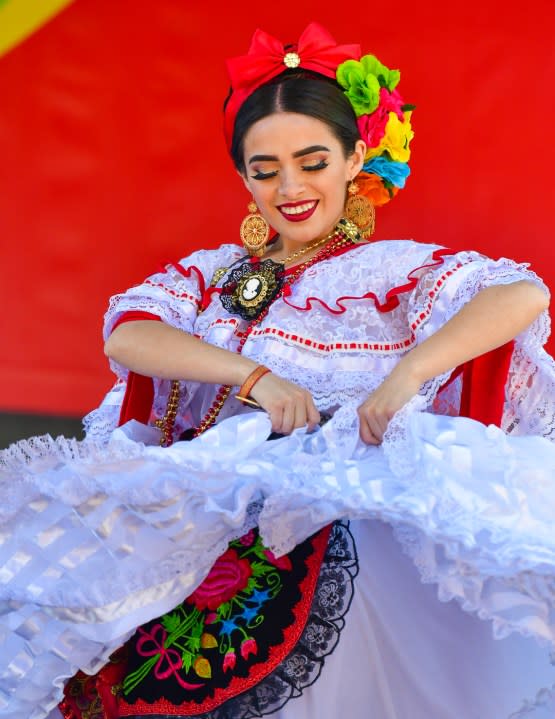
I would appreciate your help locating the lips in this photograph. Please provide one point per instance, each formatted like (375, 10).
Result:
(298, 211)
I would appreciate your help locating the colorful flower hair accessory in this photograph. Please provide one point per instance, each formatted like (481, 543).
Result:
(384, 123)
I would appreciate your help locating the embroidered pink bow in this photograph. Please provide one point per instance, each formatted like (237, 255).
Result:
(316, 51)
(169, 660)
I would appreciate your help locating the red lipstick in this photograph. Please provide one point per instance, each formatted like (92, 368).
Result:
(296, 215)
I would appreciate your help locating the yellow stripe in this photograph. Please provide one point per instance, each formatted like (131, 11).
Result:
(21, 18)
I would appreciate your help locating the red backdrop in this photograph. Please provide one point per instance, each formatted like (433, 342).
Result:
(113, 158)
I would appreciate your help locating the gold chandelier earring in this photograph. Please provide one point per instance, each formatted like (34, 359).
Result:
(360, 210)
(254, 231)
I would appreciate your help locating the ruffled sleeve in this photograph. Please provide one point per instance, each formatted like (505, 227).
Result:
(173, 295)
(443, 290)
(528, 371)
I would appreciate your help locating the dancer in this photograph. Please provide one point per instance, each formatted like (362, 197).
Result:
(336, 416)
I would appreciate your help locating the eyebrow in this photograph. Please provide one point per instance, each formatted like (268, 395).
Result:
(298, 153)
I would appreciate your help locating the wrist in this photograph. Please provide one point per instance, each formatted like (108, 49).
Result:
(246, 388)
(244, 368)
(411, 366)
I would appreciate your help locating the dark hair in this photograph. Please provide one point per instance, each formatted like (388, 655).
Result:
(305, 93)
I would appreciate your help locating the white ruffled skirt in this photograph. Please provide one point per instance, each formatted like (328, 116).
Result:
(95, 541)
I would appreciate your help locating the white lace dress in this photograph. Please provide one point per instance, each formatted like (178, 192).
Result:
(101, 536)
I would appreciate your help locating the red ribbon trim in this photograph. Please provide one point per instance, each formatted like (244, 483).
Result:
(391, 297)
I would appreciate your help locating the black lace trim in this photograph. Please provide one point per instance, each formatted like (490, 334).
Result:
(302, 667)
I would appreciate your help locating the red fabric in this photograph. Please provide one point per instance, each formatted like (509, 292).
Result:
(316, 48)
(484, 380)
(133, 315)
(139, 393)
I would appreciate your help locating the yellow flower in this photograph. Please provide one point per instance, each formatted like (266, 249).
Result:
(396, 139)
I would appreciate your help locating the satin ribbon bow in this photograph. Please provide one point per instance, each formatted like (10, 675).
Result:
(316, 51)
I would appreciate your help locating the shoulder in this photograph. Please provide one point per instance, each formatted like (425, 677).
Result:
(219, 256)
(202, 265)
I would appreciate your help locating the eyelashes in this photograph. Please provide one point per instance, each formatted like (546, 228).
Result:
(307, 168)
(264, 175)
(319, 166)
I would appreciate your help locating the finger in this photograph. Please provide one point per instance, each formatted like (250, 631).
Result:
(288, 419)
(366, 433)
(381, 421)
(276, 416)
(300, 415)
(312, 414)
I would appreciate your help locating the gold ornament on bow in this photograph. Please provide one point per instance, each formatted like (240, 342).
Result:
(360, 210)
(254, 231)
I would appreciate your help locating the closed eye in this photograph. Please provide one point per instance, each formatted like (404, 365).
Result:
(264, 175)
(319, 166)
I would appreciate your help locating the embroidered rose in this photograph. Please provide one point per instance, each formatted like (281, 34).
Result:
(228, 577)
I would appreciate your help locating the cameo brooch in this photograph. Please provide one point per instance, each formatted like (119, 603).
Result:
(251, 287)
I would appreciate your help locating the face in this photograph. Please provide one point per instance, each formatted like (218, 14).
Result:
(297, 173)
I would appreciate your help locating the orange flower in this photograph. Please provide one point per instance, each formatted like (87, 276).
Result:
(372, 187)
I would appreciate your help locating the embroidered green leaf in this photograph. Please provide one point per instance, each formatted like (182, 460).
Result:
(224, 610)
(252, 584)
(260, 568)
(171, 622)
(187, 659)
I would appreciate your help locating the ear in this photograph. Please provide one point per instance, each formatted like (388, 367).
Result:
(356, 159)
(245, 180)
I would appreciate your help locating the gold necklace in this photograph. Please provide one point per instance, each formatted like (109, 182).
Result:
(308, 248)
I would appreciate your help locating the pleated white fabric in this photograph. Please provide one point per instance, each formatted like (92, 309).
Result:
(97, 540)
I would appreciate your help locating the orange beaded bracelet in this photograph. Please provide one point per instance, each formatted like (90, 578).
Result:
(248, 384)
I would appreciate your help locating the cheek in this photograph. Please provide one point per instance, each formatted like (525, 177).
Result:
(262, 195)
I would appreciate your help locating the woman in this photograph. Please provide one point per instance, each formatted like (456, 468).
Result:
(317, 327)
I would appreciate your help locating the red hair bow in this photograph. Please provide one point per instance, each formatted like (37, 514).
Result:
(316, 51)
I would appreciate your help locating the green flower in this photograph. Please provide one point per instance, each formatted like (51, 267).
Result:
(362, 81)
(386, 77)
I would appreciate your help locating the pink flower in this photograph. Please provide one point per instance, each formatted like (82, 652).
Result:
(372, 127)
(229, 660)
(248, 646)
(211, 617)
(283, 563)
(247, 539)
(228, 576)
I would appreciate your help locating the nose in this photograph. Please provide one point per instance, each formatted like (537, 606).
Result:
(291, 185)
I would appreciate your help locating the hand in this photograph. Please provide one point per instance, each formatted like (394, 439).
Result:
(288, 405)
(393, 393)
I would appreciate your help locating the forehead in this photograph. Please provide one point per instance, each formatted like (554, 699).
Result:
(284, 133)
